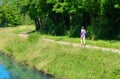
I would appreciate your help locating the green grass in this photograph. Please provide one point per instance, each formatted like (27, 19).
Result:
(24, 28)
(62, 61)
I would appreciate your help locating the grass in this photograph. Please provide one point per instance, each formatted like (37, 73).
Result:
(24, 28)
(101, 43)
(62, 61)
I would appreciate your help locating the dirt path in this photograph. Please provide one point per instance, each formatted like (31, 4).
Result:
(86, 46)
(25, 35)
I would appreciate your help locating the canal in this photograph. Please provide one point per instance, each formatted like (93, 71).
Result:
(11, 70)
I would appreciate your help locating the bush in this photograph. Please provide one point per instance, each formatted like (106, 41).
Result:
(74, 31)
(98, 28)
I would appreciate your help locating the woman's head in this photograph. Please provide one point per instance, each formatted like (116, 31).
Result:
(82, 27)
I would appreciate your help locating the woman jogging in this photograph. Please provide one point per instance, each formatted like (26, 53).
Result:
(82, 37)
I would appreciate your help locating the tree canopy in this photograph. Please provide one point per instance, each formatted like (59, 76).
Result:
(101, 18)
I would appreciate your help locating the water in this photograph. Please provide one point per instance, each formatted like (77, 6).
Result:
(11, 70)
(3, 73)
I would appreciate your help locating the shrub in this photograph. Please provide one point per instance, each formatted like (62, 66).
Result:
(98, 28)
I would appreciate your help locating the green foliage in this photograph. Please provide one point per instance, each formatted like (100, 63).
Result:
(98, 28)
(60, 17)
(116, 6)
(60, 7)
(11, 14)
(75, 31)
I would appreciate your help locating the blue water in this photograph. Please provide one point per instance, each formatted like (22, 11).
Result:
(4, 74)
(12, 70)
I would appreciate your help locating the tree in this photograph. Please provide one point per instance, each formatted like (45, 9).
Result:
(9, 13)
(60, 17)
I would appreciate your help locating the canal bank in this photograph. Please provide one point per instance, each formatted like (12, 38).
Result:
(9, 69)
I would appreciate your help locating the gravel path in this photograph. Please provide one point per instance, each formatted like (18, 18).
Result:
(25, 35)
(86, 46)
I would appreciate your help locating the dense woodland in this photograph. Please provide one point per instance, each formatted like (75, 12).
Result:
(101, 18)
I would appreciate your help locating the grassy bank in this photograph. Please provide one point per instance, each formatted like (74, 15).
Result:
(62, 61)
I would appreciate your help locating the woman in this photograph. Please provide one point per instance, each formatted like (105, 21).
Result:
(83, 32)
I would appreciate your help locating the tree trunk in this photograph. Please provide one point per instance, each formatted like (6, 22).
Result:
(37, 23)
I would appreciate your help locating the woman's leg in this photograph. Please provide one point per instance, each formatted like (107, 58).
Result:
(81, 39)
(84, 40)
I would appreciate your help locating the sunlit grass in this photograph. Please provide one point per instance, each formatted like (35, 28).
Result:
(24, 28)
(62, 61)
(67, 61)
